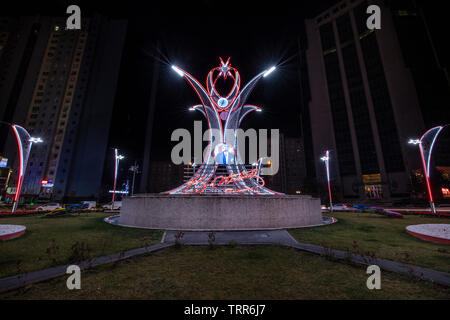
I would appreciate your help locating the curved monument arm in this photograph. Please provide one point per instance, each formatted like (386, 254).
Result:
(199, 108)
(243, 95)
(246, 110)
(233, 92)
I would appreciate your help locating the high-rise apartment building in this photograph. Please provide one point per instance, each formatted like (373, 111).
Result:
(364, 104)
(291, 174)
(294, 161)
(60, 85)
(165, 176)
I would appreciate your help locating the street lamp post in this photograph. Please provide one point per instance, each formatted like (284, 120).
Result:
(134, 169)
(426, 159)
(258, 165)
(194, 165)
(117, 158)
(24, 143)
(326, 159)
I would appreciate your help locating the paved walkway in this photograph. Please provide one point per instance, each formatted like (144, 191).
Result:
(281, 237)
(284, 238)
(15, 282)
(439, 277)
(225, 237)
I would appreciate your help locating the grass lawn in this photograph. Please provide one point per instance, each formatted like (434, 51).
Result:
(386, 237)
(250, 272)
(66, 239)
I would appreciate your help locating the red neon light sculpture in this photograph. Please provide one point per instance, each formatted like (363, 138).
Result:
(24, 143)
(224, 114)
(426, 144)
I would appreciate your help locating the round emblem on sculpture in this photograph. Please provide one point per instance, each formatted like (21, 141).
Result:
(222, 102)
(224, 154)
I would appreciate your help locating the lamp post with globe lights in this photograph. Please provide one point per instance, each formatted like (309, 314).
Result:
(326, 159)
(134, 169)
(117, 158)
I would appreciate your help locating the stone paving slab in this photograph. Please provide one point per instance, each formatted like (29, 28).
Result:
(225, 237)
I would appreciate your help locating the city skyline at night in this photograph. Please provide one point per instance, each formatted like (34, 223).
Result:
(224, 159)
(146, 108)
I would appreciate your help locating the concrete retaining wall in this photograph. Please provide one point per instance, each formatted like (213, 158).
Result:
(211, 212)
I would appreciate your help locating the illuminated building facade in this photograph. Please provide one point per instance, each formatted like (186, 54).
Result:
(60, 86)
(364, 104)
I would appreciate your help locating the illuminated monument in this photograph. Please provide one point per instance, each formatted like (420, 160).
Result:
(208, 201)
(224, 115)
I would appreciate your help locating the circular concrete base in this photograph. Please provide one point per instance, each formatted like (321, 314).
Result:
(437, 233)
(220, 212)
(10, 231)
(115, 220)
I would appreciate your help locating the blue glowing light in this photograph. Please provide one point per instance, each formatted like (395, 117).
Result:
(222, 102)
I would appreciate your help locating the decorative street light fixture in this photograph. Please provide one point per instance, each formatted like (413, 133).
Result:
(425, 153)
(134, 169)
(36, 140)
(259, 164)
(326, 159)
(24, 143)
(117, 158)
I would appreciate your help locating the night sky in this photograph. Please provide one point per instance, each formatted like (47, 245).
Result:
(193, 35)
(194, 41)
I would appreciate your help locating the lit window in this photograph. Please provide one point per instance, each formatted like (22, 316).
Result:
(446, 192)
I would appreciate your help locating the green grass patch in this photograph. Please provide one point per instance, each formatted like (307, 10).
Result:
(385, 237)
(250, 272)
(66, 239)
